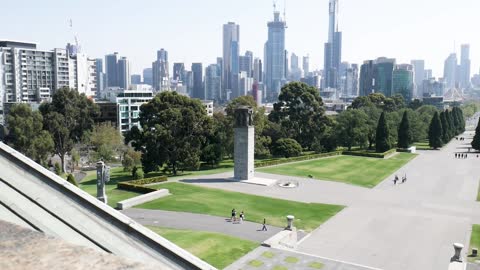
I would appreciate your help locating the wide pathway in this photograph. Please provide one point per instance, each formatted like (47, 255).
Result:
(187, 221)
(409, 226)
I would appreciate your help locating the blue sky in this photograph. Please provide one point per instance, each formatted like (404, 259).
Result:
(191, 30)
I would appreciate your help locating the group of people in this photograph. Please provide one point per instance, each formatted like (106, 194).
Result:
(396, 179)
(461, 155)
(461, 138)
(240, 219)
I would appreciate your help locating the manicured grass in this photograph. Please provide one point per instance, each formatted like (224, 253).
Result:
(422, 145)
(291, 259)
(217, 249)
(316, 265)
(474, 241)
(255, 263)
(279, 267)
(360, 171)
(268, 254)
(194, 199)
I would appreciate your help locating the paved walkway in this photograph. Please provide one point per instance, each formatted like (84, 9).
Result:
(187, 221)
(410, 226)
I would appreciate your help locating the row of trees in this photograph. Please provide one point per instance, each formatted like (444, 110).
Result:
(445, 126)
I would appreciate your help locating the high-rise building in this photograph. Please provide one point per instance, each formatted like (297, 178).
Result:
(295, 71)
(258, 70)
(419, 69)
(403, 81)
(383, 74)
(306, 65)
(148, 76)
(100, 75)
(123, 73)
(333, 48)
(160, 70)
(465, 65)
(428, 74)
(213, 82)
(432, 87)
(231, 53)
(136, 79)
(450, 71)
(275, 64)
(246, 63)
(367, 78)
(351, 81)
(179, 72)
(111, 69)
(198, 88)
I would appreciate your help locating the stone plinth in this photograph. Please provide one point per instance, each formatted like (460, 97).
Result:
(244, 153)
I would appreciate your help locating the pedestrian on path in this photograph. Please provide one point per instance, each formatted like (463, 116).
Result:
(404, 179)
(456, 155)
(242, 216)
(234, 215)
(264, 228)
(395, 180)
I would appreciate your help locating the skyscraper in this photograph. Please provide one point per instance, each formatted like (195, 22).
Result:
(111, 61)
(275, 63)
(213, 82)
(136, 79)
(403, 81)
(306, 65)
(383, 74)
(123, 73)
(100, 75)
(450, 71)
(367, 79)
(419, 69)
(148, 76)
(231, 52)
(179, 72)
(258, 70)
(351, 81)
(295, 71)
(246, 63)
(160, 69)
(465, 65)
(333, 48)
(198, 89)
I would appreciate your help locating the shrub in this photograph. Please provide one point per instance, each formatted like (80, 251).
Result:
(369, 154)
(295, 159)
(138, 185)
(138, 175)
(58, 169)
(71, 180)
(134, 171)
(287, 148)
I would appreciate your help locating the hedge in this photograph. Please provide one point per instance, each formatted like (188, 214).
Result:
(369, 154)
(138, 185)
(295, 159)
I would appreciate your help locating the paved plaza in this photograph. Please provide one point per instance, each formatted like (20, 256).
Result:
(407, 226)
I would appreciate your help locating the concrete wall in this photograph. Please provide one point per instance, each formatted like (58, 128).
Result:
(142, 199)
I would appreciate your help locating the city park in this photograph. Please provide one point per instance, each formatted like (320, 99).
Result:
(340, 195)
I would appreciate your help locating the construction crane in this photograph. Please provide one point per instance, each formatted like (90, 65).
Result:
(75, 36)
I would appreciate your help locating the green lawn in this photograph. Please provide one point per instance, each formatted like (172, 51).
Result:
(360, 171)
(194, 199)
(217, 249)
(474, 241)
(422, 145)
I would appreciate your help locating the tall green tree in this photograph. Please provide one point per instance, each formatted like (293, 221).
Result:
(435, 132)
(404, 132)
(26, 133)
(107, 141)
(373, 114)
(476, 138)
(450, 124)
(68, 118)
(173, 131)
(300, 112)
(352, 128)
(382, 137)
(445, 127)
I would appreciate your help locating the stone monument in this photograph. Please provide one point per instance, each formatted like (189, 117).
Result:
(244, 144)
(103, 176)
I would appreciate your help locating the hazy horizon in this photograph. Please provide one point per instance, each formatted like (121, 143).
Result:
(191, 31)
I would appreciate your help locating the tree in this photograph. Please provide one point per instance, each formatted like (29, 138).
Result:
(445, 128)
(173, 132)
(450, 124)
(106, 140)
(476, 138)
(130, 159)
(383, 135)
(425, 115)
(373, 114)
(300, 112)
(404, 132)
(71, 180)
(26, 133)
(68, 117)
(435, 132)
(287, 148)
(352, 128)
(415, 104)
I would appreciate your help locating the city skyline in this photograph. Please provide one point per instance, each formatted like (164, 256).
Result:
(139, 35)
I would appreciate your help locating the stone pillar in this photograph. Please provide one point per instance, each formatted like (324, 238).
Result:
(244, 153)
(101, 195)
(290, 219)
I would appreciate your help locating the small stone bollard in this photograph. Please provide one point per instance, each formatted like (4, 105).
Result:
(290, 219)
(474, 252)
(458, 252)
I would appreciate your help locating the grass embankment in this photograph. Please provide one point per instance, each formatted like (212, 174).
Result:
(474, 241)
(216, 249)
(360, 171)
(194, 199)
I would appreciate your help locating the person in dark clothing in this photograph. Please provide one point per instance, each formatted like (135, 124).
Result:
(264, 228)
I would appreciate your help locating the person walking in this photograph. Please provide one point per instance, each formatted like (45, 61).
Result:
(234, 215)
(456, 155)
(242, 216)
(264, 228)
(395, 180)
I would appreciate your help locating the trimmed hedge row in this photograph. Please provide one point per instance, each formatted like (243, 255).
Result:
(295, 159)
(369, 154)
(138, 185)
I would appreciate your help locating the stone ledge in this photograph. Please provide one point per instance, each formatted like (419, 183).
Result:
(142, 199)
(283, 240)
